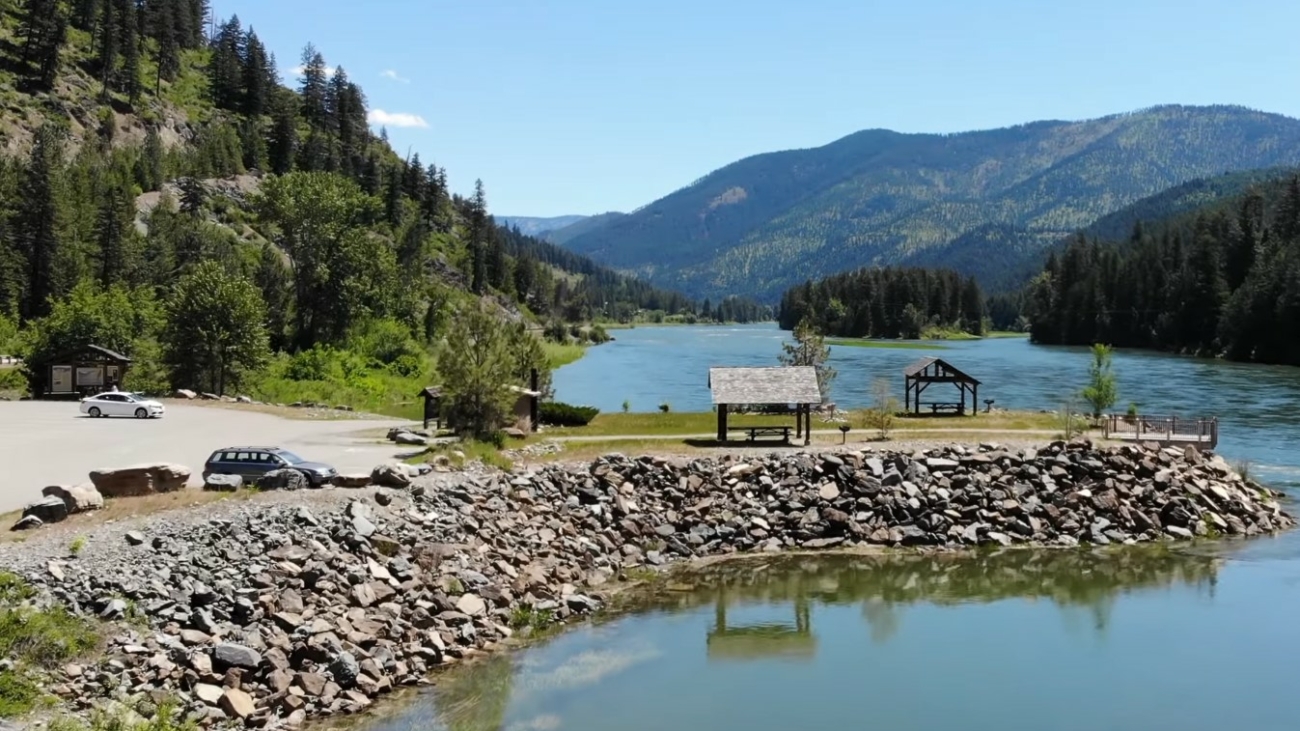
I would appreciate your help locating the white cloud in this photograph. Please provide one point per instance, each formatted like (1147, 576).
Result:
(391, 74)
(296, 71)
(395, 119)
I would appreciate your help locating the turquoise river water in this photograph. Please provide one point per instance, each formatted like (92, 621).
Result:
(1199, 638)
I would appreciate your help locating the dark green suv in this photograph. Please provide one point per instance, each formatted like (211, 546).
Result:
(251, 463)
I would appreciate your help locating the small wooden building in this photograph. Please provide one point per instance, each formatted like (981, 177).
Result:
(767, 386)
(925, 372)
(432, 396)
(79, 373)
(527, 404)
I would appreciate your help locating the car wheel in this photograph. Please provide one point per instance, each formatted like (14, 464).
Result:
(310, 478)
(141, 414)
(93, 412)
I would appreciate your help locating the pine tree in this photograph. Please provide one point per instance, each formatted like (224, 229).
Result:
(149, 166)
(116, 223)
(163, 16)
(130, 74)
(107, 38)
(809, 349)
(478, 233)
(225, 71)
(313, 88)
(282, 149)
(43, 31)
(498, 269)
(257, 76)
(37, 223)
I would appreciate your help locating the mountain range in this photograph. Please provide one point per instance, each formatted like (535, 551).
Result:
(987, 203)
(536, 226)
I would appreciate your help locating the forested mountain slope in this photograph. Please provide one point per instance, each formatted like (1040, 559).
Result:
(982, 202)
(1222, 278)
(163, 194)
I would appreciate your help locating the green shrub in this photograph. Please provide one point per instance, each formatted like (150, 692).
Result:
(555, 413)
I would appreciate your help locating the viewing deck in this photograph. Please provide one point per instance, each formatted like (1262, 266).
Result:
(1164, 430)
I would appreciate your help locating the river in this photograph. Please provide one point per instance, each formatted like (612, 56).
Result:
(1199, 637)
(1258, 406)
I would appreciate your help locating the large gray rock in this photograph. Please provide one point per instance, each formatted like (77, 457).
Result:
(345, 670)
(406, 437)
(79, 498)
(185, 393)
(391, 474)
(351, 480)
(286, 479)
(223, 483)
(27, 522)
(231, 655)
(142, 479)
(48, 509)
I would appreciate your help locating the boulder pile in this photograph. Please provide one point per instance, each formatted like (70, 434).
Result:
(280, 615)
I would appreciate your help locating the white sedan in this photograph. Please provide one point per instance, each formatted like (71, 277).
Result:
(121, 404)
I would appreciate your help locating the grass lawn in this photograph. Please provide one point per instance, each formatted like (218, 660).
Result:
(999, 334)
(561, 355)
(887, 344)
(656, 423)
(706, 422)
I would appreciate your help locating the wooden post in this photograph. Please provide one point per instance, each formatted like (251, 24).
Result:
(722, 422)
(974, 399)
(807, 424)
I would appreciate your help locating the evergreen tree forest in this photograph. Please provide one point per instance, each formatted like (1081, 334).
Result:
(1221, 280)
(196, 196)
(887, 303)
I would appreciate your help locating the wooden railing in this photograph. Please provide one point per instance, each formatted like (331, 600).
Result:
(1163, 429)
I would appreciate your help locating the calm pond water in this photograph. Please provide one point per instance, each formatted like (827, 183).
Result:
(1198, 638)
(1034, 640)
(1258, 406)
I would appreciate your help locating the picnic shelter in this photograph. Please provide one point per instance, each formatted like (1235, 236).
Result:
(926, 372)
(766, 386)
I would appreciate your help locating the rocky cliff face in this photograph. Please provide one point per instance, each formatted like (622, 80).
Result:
(280, 613)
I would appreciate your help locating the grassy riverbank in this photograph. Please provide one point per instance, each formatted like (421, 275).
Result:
(931, 339)
(885, 344)
(706, 422)
(369, 390)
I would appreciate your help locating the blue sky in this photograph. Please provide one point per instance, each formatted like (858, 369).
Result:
(584, 106)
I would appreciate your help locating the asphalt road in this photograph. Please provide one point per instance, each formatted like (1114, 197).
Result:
(51, 443)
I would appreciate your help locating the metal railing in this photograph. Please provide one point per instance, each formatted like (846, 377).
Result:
(1163, 429)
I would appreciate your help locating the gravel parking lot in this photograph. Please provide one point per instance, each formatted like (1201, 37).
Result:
(49, 442)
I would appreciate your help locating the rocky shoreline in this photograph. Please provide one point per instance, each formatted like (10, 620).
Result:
(273, 615)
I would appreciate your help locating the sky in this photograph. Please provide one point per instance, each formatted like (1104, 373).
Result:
(585, 106)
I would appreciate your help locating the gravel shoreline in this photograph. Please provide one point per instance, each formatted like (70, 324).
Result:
(291, 606)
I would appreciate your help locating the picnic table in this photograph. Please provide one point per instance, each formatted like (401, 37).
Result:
(947, 408)
(754, 432)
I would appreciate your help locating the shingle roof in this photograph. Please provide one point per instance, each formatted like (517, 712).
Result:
(921, 365)
(775, 385)
(112, 355)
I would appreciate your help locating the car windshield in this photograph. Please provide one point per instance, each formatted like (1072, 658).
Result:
(290, 457)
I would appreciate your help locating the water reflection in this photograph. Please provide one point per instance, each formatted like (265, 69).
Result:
(740, 617)
(763, 639)
(884, 585)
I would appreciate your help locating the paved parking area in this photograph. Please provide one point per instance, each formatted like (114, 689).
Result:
(50, 442)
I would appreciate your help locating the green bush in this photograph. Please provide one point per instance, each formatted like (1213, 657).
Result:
(556, 413)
